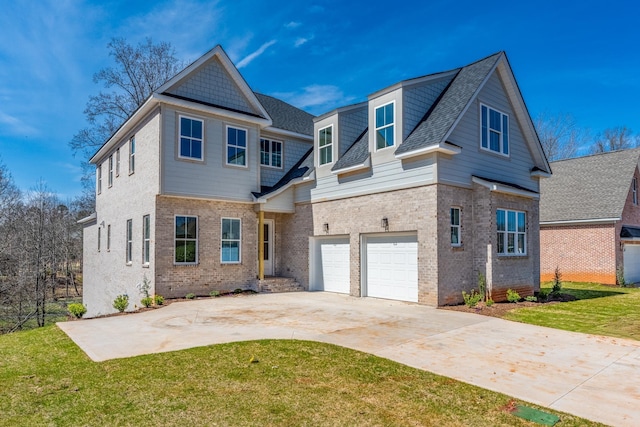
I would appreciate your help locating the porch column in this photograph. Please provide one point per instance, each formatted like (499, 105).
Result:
(261, 245)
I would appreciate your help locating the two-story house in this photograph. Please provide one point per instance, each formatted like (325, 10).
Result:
(410, 195)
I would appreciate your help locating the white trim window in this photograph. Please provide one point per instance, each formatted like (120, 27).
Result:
(186, 239)
(495, 130)
(325, 145)
(634, 190)
(99, 237)
(117, 162)
(108, 237)
(231, 238)
(129, 249)
(271, 153)
(236, 146)
(191, 136)
(385, 119)
(132, 155)
(146, 239)
(512, 232)
(110, 170)
(99, 179)
(456, 230)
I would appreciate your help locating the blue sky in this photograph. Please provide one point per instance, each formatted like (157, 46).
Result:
(577, 57)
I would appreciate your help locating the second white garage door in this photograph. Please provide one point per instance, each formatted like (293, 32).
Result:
(392, 267)
(631, 263)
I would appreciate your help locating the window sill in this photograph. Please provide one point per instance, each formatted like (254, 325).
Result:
(145, 265)
(129, 264)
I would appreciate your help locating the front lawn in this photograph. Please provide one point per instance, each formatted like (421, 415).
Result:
(47, 380)
(599, 309)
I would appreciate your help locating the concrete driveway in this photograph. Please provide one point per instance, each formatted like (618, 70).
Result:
(590, 376)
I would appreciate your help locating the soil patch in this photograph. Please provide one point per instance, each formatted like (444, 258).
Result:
(499, 309)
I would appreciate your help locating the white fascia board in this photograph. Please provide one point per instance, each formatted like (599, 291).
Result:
(284, 132)
(365, 165)
(541, 174)
(169, 100)
(310, 177)
(506, 189)
(87, 219)
(443, 147)
(581, 221)
(411, 82)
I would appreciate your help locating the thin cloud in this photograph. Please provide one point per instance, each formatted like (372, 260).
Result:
(300, 41)
(16, 126)
(317, 98)
(292, 24)
(249, 58)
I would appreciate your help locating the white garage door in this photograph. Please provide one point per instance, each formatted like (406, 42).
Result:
(632, 263)
(392, 267)
(332, 265)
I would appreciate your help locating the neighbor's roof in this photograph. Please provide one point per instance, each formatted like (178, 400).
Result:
(286, 116)
(588, 188)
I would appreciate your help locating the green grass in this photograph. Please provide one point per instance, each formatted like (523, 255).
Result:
(599, 309)
(47, 380)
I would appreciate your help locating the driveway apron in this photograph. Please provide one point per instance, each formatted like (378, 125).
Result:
(594, 377)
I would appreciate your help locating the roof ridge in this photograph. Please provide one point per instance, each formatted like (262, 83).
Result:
(598, 154)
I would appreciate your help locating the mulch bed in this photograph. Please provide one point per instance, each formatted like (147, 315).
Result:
(499, 309)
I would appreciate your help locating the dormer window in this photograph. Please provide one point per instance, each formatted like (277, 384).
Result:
(384, 126)
(325, 144)
(495, 130)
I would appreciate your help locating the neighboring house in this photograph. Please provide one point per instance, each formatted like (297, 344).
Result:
(409, 195)
(590, 219)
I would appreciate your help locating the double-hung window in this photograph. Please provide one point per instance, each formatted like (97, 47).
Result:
(455, 227)
(132, 155)
(236, 146)
(99, 179)
(634, 190)
(512, 232)
(191, 138)
(325, 144)
(118, 162)
(146, 238)
(270, 153)
(108, 237)
(231, 235)
(129, 241)
(186, 240)
(110, 170)
(99, 237)
(384, 126)
(495, 130)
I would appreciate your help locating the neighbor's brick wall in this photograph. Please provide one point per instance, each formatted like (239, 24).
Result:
(630, 217)
(407, 210)
(175, 281)
(583, 253)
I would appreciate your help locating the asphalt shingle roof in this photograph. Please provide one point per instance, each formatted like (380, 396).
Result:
(286, 116)
(298, 170)
(588, 188)
(438, 121)
(357, 154)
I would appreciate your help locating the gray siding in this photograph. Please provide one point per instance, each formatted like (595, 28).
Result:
(293, 150)
(350, 125)
(214, 85)
(210, 178)
(515, 169)
(383, 177)
(416, 102)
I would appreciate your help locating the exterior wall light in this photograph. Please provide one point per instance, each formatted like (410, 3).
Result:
(385, 223)
(325, 227)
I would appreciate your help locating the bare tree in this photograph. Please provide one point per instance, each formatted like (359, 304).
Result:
(560, 136)
(613, 139)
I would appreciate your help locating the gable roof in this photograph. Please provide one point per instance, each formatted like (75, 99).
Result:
(302, 168)
(355, 155)
(588, 188)
(286, 116)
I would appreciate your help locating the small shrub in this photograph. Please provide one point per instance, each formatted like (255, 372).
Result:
(512, 296)
(77, 310)
(489, 302)
(471, 299)
(557, 282)
(543, 295)
(482, 286)
(237, 291)
(147, 301)
(531, 298)
(214, 294)
(121, 302)
(190, 295)
(158, 299)
(144, 287)
(620, 280)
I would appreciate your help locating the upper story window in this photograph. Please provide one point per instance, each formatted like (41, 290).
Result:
(99, 179)
(236, 146)
(110, 170)
(132, 155)
(129, 248)
(186, 240)
(495, 130)
(108, 237)
(118, 162)
(231, 234)
(634, 190)
(384, 126)
(512, 235)
(455, 227)
(270, 153)
(325, 144)
(146, 239)
(190, 138)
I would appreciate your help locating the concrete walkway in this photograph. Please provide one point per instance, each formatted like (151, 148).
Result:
(590, 376)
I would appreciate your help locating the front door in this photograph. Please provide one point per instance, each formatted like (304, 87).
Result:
(268, 247)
